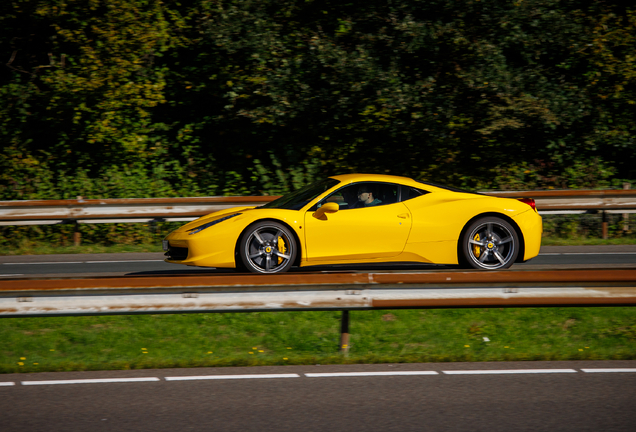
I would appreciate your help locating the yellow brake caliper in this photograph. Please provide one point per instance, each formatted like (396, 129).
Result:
(281, 248)
(476, 248)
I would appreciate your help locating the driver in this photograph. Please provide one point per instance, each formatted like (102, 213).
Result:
(366, 198)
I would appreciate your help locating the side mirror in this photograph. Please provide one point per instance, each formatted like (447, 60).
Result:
(330, 207)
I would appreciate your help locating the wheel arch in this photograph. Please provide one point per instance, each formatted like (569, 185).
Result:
(237, 245)
(522, 242)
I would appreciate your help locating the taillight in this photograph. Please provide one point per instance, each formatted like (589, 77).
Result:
(529, 201)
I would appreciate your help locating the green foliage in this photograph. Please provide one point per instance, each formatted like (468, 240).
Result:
(132, 98)
(578, 229)
(76, 97)
(453, 91)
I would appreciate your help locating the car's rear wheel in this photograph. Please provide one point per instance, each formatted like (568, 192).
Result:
(490, 243)
(267, 247)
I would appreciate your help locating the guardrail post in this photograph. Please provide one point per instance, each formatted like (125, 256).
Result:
(626, 186)
(77, 235)
(344, 333)
(605, 224)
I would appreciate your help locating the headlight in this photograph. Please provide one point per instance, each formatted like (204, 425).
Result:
(209, 224)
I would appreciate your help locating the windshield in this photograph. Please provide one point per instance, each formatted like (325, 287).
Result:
(298, 199)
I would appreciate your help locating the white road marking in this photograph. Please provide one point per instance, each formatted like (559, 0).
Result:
(221, 377)
(317, 375)
(357, 374)
(609, 370)
(132, 261)
(79, 262)
(508, 371)
(7, 275)
(48, 262)
(91, 381)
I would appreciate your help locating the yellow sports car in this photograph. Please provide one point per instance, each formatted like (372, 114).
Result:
(363, 218)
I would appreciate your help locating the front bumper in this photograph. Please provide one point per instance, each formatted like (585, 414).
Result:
(213, 249)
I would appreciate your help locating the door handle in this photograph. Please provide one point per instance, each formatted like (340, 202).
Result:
(403, 216)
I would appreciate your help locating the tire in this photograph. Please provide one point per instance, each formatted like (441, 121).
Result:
(267, 247)
(490, 243)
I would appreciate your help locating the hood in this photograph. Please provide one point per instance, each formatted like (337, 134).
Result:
(213, 216)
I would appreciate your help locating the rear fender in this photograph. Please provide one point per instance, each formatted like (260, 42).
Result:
(522, 245)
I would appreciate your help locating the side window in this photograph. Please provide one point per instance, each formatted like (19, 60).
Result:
(366, 194)
(345, 198)
(408, 193)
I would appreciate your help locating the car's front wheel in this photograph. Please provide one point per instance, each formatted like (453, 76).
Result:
(267, 247)
(490, 243)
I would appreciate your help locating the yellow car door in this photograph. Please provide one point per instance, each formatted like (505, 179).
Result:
(357, 234)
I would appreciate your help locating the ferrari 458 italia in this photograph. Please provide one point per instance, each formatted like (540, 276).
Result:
(363, 218)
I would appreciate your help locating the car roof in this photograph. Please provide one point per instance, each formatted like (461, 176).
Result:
(353, 178)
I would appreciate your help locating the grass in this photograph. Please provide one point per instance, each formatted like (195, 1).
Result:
(279, 338)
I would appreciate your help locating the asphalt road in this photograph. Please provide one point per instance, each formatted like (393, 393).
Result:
(76, 265)
(564, 396)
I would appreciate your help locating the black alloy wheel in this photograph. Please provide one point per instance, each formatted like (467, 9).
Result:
(268, 247)
(490, 243)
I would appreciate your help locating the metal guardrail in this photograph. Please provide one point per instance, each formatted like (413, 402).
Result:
(578, 201)
(118, 210)
(182, 209)
(307, 291)
(150, 210)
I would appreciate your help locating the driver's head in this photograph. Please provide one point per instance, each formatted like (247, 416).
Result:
(365, 194)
